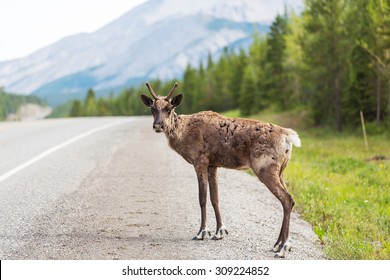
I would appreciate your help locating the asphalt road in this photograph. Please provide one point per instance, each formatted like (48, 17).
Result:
(111, 188)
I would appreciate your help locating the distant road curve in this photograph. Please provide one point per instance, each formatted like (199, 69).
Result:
(110, 188)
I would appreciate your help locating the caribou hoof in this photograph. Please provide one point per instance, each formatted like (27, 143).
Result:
(220, 233)
(281, 250)
(202, 234)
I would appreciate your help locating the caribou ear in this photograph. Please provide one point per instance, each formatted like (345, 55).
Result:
(177, 100)
(147, 100)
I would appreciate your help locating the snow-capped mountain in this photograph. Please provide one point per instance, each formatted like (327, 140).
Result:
(154, 40)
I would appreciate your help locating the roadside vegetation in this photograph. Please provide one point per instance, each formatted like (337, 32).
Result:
(344, 192)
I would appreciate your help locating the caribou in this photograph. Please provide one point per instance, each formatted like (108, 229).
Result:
(208, 140)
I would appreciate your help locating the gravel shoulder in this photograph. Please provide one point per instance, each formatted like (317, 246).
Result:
(140, 201)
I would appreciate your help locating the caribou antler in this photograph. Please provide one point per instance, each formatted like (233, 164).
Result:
(172, 91)
(151, 91)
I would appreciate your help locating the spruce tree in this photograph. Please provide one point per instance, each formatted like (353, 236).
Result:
(76, 109)
(326, 48)
(248, 93)
(238, 64)
(91, 104)
(276, 84)
(190, 88)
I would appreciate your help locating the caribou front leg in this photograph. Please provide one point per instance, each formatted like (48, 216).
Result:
(201, 171)
(213, 185)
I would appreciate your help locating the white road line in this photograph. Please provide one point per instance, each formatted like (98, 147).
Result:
(56, 148)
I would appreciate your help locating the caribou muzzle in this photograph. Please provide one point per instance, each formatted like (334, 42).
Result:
(158, 127)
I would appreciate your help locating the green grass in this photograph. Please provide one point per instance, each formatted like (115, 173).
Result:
(344, 195)
(339, 189)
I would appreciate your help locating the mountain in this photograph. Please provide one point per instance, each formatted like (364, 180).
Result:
(154, 40)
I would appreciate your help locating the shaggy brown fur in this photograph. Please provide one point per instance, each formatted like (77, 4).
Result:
(208, 140)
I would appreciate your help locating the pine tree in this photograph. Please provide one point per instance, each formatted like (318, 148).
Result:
(238, 64)
(248, 96)
(378, 48)
(200, 88)
(222, 100)
(292, 62)
(326, 48)
(190, 87)
(257, 64)
(76, 109)
(91, 108)
(360, 95)
(207, 93)
(210, 62)
(277, 80)
(102, 107)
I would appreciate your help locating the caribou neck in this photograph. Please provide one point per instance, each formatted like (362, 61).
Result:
(171, 126)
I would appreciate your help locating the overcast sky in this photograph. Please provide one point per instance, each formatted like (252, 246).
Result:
(28, 25)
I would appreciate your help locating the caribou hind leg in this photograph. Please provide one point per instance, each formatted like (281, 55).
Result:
(213, 185)
(274, 182)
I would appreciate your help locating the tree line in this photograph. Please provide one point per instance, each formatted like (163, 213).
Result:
(333, 59)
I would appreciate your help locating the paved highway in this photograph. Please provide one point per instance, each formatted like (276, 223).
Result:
(111, 188)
